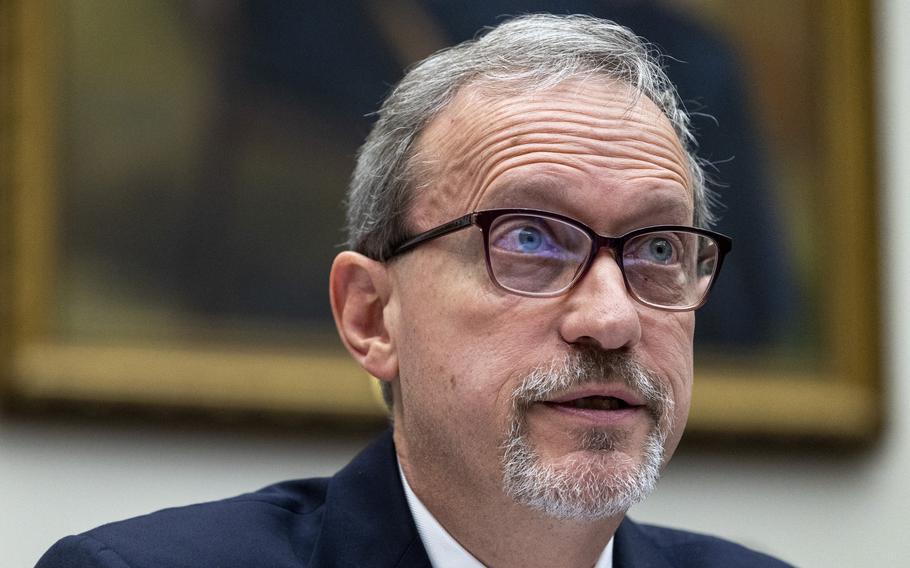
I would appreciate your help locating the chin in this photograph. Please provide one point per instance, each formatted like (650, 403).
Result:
(589, 484)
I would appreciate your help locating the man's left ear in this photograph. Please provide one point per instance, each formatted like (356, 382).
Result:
(360, 291)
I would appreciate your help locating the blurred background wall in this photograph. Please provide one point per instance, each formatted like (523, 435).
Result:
(813, 508)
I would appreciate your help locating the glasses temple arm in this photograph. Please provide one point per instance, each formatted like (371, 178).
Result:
(444, 229)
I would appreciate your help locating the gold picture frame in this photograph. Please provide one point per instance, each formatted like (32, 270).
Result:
(838, 399)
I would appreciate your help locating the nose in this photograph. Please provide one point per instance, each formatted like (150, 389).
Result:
(600, 310)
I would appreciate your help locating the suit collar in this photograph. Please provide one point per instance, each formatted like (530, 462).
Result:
(367, 521)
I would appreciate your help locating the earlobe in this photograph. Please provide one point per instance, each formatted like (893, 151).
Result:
(360, 292)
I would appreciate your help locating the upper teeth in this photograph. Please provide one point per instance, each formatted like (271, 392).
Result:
(598, 403)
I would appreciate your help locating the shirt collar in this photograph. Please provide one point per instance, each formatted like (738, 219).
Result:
(444, 551)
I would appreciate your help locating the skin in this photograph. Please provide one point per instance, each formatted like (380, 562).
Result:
(454, 346)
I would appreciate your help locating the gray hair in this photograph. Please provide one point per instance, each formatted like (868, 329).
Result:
(536, 51)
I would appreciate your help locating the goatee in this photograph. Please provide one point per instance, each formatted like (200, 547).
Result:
(604, 482)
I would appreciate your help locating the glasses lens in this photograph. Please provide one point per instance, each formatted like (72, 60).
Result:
(536, 254)
(670, 269)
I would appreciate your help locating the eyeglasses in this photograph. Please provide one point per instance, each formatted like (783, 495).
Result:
(542, 254)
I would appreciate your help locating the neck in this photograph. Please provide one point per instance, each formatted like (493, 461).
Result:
(494, 528)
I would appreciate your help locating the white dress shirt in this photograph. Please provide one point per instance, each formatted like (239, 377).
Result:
(444, 551)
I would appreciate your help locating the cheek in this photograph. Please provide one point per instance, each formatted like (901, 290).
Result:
(666, 347)
(462, 337)
(436, 316)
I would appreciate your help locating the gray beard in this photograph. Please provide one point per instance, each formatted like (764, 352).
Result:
(595, 487)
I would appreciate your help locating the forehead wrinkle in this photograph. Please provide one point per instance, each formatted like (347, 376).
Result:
(463, 110)
(635, 109)
(586, 136)
(594, 131)
(539, 117)
(651, 160)
(536, 140)
(546, 189)
(589, 132)
(583, 162)
(499, 117)
(478, 137)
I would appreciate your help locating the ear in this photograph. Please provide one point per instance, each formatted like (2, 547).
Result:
(360, 292)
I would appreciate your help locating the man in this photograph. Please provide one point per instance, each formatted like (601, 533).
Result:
(538, 372)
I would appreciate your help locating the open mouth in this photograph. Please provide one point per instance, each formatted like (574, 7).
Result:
(595, 403)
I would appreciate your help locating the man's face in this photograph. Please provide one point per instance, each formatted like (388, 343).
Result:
(469, 353)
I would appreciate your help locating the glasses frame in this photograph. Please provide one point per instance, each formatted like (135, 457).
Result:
(484, 219)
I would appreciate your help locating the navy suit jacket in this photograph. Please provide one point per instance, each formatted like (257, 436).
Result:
(358, 518)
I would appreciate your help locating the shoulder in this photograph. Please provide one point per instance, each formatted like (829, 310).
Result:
(270, 526)
(685, 549)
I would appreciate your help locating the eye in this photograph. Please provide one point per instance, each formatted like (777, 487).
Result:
(656, 249)
(538, 238)
(660, 250)
(524, 238)
(529, 239)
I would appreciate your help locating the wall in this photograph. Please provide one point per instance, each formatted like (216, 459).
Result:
(813, 509)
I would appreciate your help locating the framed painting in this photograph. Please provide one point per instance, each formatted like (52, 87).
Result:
(172, 201)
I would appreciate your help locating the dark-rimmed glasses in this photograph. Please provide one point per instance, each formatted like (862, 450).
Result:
(542, 254)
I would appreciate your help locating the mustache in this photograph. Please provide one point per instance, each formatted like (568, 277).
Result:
(589, 365)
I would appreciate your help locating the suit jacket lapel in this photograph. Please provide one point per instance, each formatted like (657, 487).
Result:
(367, 520)
(633, 549)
